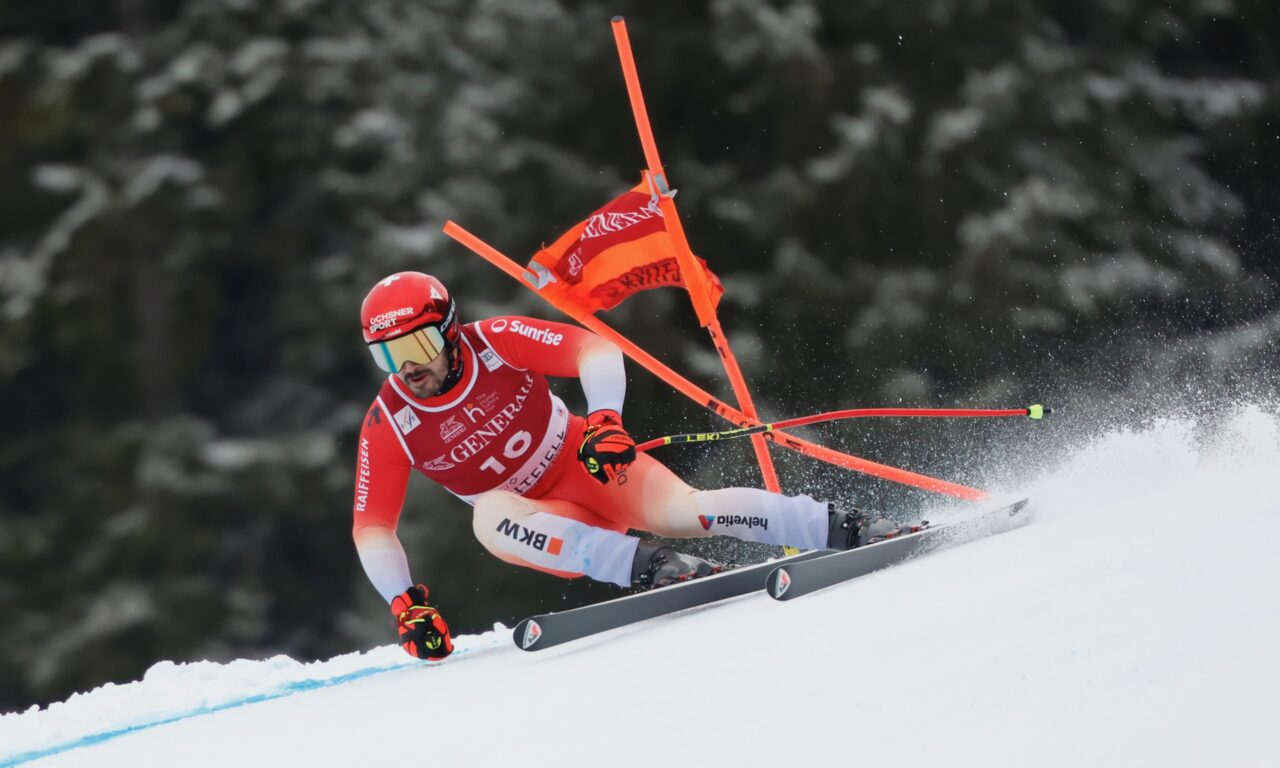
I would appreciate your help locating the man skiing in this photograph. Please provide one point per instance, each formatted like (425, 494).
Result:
(469, 407)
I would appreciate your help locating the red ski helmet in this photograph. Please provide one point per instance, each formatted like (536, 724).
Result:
(410, 317)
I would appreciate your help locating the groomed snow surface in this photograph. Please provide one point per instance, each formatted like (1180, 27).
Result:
(1135, 622)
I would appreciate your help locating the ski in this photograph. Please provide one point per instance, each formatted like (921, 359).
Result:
(793, 579)
(550, 629)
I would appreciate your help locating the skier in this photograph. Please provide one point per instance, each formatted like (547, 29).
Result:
(470, 408)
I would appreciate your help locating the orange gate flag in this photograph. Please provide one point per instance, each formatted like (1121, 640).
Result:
(622, 248)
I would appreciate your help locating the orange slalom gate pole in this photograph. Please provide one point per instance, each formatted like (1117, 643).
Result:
(739, 385)
(702, 397)
(623, 42)
(695, 281)
(594, 324)
(700, 292)
(696, 284)
(813, 450)
(878, 470)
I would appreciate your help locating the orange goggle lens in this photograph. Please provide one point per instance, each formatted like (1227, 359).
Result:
(420, 346)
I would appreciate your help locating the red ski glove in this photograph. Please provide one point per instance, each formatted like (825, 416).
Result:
(607, 450)
(423, 632)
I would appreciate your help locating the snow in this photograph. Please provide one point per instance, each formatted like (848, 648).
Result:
(885, 111)
(1134, 622)
(24, 276)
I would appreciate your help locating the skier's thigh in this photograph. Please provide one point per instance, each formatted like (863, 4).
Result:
(494, 510)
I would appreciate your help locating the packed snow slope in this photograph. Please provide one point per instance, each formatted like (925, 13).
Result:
(1135, 622)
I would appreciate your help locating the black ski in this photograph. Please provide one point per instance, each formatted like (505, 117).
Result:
(788, 580)
(549, 629)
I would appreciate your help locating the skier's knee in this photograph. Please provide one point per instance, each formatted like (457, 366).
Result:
(688, 517)
(671, 529)
(492, 507)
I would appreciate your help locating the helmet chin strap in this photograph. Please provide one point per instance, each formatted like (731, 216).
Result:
(455, 369)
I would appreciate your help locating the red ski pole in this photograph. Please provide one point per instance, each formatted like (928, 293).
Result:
(1032, 412)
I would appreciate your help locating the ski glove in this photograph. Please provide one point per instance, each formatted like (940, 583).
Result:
(423, 632)
(607, 450)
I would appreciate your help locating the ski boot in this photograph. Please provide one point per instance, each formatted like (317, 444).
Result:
(854, 528)
(659, 565)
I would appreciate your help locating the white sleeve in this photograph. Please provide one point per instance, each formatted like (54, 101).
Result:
(604, 379)
(384, 561)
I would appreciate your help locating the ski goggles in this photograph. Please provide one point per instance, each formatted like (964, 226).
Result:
(419, 346)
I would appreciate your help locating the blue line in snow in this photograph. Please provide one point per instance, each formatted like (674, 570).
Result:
(297, 686)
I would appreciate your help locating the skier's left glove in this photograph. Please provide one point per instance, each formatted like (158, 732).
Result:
(607, 450)
(423, 632)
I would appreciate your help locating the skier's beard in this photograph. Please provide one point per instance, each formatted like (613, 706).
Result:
(424, 381)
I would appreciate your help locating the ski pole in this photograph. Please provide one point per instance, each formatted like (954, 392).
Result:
(1031, 411)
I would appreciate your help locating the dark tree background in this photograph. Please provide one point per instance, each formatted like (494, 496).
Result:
(928, 202)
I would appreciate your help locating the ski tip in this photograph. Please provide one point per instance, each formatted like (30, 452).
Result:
(526, 635)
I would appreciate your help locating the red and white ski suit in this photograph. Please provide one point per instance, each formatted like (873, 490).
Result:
(500, 440)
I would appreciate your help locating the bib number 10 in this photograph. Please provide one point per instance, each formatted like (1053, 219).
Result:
(516, 447)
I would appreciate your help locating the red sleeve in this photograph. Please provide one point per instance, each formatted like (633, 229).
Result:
(541, 346)
(382, 473)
